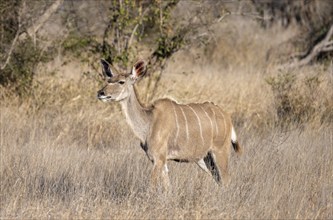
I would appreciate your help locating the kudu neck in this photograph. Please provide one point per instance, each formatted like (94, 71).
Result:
(137, 116)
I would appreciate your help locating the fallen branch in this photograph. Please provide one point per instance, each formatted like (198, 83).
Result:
(325, 45)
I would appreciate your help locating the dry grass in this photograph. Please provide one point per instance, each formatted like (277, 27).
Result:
(65, 155)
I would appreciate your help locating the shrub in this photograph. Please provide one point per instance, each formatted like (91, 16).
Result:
(18, 75)
(294, 98)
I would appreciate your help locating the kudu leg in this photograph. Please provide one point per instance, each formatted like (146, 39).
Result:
(201, 163)
(160, 175)
(221, 158)
(160, 171)
(209, 166)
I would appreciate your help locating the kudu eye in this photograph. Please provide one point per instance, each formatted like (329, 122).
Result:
(121, 82)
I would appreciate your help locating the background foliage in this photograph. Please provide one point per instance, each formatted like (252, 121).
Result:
(129, 24)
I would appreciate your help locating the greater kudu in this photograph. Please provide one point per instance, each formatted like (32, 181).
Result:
(200, 133)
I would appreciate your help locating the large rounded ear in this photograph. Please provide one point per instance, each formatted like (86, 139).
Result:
(106, 69)
(139, 69)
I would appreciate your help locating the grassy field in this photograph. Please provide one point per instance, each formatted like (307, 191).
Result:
(64, 154)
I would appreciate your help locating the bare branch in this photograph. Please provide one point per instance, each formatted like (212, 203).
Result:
(322, 46)
(11, 50)
(250, 15)
(135, 28)
(15, 40)
(329, 34)
(327, 49)
(32, 30)
(330, 43)
(223, 16)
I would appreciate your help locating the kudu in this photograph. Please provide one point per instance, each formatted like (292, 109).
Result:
(200, 133)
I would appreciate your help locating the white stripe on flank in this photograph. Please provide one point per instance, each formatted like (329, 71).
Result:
(186, 125)
(200, 127)
(211, 123)
(225, 126)
(177, 124)
(233, 136)
(216, 127)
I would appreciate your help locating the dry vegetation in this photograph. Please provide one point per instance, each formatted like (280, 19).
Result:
(64, 154)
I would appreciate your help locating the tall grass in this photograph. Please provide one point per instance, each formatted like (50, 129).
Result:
(66, 155)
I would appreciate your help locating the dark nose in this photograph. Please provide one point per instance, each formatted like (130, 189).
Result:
(100, 93)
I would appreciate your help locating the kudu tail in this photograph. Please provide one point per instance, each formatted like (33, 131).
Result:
(237, 147)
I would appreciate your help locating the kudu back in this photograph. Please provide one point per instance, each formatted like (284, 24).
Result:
(197, 132)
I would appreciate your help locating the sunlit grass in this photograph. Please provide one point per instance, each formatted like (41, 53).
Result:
(66, 155)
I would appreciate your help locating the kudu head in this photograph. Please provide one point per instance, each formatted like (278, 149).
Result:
(118, 85)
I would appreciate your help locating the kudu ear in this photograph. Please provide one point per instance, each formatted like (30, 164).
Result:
(107, 72)
(139, 69)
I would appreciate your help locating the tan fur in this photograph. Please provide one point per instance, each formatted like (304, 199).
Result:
(199, 133)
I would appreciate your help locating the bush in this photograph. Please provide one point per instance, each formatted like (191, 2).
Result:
(18, 74)
(294, 99)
